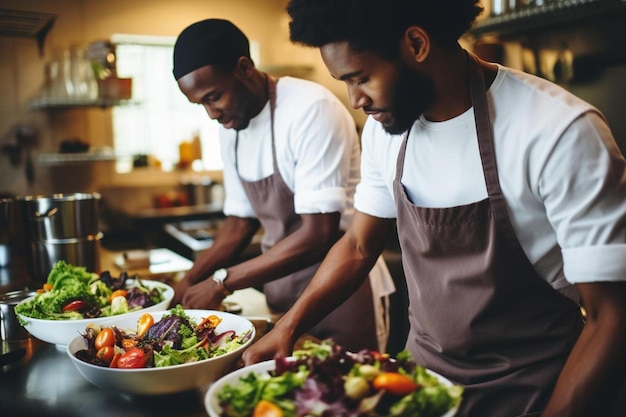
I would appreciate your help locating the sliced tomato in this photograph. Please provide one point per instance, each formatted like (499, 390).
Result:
(395, 383)
(76, 305)
(379, 356)
(266, 408)
(106, 353)
(144, 323)
(118, 293)
(128, 343)
(116, 358)
(106, 337)
(209, 322)
(132, 358)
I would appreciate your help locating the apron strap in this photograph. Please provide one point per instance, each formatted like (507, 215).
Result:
(483, 125)
(270, 88)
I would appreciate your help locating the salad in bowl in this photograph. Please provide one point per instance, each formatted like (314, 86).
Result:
(162, 352)
(323, 379)
(72, 297)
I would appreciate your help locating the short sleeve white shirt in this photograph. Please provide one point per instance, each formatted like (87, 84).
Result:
(561, 173)
(317, 150)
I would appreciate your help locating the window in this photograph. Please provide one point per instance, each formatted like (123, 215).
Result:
(162, 118)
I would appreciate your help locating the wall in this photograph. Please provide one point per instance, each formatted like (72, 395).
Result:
(596, 44)
(81, 21)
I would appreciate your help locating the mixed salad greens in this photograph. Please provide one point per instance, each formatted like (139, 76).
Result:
(71, 292)
(323, 379)
(175, 339)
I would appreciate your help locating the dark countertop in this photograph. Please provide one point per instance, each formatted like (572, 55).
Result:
(46, 383)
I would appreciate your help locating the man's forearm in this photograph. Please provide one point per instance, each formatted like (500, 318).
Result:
(596, 369)
(343, 271)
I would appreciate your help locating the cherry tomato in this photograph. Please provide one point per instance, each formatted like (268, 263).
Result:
(132, 358)
(128, 343)
(106, 337)
(210, 322)
(116, 358)
(379, 356)
(144, 323)
(76, 305)
(266, 408)
(106, 353)
(394, 383)
(118, 293)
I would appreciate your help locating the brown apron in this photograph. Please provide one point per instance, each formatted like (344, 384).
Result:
(352, 324)
(479, 313)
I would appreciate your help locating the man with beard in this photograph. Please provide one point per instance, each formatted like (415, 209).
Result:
(509, 197)
(291, 162)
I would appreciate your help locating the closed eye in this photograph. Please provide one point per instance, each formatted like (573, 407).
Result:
(211, 98)
(362, 81)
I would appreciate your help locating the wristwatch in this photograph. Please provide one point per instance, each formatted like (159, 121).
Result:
(220, 276)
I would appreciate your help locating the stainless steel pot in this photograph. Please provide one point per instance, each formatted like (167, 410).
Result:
(61, 227)
(61, 216)
(83, 251)
(10, 328)
(12, 241)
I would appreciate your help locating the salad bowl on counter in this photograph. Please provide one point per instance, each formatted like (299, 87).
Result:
(308, 382)
(179, 351)
(72, 298)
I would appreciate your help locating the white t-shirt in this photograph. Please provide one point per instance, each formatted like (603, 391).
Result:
(318, 155)
(560, 170)
(317, 150)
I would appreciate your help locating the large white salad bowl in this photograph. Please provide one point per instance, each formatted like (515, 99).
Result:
(170, 379)
(211, 402)
(61, 332)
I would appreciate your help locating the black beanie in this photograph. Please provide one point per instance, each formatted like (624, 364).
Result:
(208, 42)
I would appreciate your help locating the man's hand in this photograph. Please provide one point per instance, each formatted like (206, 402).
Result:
(179, 291)
(273, 345)
(207, 295)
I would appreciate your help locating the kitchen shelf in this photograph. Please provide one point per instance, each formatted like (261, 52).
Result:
(58, 159)
(22, 23)
(548, 16)
(68, 103)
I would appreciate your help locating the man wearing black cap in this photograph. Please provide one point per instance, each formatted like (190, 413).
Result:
(291, 163)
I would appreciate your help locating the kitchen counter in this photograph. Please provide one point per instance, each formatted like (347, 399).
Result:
(44, 381)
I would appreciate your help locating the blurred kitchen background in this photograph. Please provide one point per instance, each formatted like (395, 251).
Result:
(88, 102)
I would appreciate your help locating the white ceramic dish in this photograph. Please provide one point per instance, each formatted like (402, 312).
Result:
(61, 332)
(170, 379)
(211, 403)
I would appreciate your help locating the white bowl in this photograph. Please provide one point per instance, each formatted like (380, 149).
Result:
(169, 379)
(211, 402)
(61, 332)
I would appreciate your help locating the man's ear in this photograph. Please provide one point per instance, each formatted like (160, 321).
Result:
(418, 42)
(244, 67)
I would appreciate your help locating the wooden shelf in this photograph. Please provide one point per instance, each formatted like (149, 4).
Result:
(45, 103)
(58, 159)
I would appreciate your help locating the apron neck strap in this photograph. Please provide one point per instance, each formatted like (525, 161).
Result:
(478, 92)
(270, 89)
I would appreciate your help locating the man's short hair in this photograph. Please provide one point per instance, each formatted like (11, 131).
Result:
(209, 42)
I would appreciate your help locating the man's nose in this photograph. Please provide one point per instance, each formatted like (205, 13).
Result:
(213, 112)
(357, 98)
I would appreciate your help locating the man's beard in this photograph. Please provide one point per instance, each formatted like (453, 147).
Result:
(411, 96)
